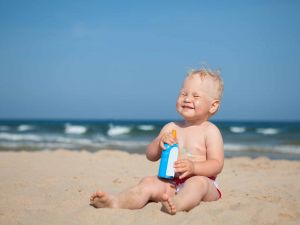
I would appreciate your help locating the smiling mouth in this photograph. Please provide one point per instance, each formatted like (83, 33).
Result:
(187, 107)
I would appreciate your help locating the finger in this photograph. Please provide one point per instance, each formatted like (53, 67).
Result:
(180, 169)
(183, 175)
(177, 164)
(162, 145)
(170, 138)
(173, 142)
(167, 136)
(168, 142)
(182, 160)
(162, 138)
(180, 163)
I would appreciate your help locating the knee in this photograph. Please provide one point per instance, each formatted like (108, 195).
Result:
(146, 185)
(201, 181)
(147, 181)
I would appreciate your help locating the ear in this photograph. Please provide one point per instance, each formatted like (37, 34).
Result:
(214, 106)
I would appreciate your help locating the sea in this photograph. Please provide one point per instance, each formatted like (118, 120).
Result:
(275, 140)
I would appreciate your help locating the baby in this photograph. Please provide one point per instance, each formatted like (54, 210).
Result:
(201, 153)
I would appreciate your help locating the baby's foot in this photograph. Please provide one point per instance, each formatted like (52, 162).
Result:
(101, 199)
(168, 205)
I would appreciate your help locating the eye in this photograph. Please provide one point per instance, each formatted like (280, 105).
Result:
(196, 96)
(183, 93)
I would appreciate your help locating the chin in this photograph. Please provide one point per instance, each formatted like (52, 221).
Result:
(186, 116)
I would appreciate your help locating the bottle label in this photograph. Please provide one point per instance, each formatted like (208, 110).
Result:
(172, 158)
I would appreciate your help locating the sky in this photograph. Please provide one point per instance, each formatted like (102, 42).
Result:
(127, 59)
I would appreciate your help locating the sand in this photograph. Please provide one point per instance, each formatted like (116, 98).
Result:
(54, 187)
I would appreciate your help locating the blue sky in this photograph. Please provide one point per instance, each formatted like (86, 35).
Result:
(127, 59)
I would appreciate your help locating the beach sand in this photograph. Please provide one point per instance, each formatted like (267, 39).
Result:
(54, 187)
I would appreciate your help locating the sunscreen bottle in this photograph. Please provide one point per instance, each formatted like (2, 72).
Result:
(168, 158)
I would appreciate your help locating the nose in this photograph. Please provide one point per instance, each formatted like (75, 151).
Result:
(187, 99)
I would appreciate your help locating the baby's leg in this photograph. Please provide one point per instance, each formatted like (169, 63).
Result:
(195, 190)
(148, 189)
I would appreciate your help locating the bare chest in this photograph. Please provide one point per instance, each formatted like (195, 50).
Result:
(192, 142)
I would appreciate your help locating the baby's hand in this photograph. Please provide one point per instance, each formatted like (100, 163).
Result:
(167, 138)
(185, 167)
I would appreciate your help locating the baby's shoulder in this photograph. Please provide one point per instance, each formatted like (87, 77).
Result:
(173, 125)
(209, 127)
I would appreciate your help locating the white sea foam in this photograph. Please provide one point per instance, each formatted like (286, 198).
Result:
(127, 144)
(290, 149)
(146, 127)
(39, 145)
(77, 141)
(237, 129)
(118, 130)
(267, 131)
(25, 127)
(19, 137)
(236, 147)
(99, 138)
(75, 129)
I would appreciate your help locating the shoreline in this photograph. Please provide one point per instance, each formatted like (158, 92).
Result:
(53, 187)
(228, 154)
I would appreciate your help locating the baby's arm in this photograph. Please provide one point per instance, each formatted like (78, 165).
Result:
(214, 161)
(155, 148)
(214, 152)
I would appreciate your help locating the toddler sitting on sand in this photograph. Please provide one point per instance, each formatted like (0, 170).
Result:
(196, 171)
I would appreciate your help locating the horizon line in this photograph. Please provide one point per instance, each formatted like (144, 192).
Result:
(62, 119)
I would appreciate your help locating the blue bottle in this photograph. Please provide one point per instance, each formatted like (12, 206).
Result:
(168, 158)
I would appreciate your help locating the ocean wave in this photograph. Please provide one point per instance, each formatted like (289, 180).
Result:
(118, 130)
(25, 127)
(4, 128)
(37, 146)
(267, 131)
(236, 147)
(99, 138)
(20, 137)
(288, 149)
(292, 149)
(75, 145)
(127, 143)
(67, 140)
(146, 127)
(47, 141)
(75, 129)
(237, 129)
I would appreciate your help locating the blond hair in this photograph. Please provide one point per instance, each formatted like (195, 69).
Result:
(215, 75)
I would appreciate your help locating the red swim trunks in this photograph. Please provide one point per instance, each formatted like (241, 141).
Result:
(179, 183)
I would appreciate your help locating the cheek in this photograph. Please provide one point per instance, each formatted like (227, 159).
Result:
(178, 102)
(177, 105)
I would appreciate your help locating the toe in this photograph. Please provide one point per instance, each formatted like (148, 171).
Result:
(93, 196)
(99, 194)
(173, 209)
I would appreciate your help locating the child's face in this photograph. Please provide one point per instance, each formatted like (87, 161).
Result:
(196, 98)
